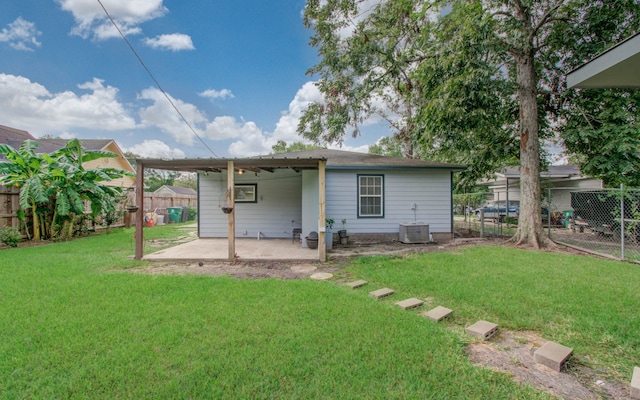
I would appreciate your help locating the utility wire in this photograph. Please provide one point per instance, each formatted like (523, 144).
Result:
(154, 79)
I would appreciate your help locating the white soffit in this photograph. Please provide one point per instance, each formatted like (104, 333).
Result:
(618, 67)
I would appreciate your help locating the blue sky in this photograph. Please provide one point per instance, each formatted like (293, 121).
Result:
(235, 69)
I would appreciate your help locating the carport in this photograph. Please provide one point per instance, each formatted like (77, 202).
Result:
(232, 167)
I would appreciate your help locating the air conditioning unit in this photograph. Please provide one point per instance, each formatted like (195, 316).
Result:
(416, 232)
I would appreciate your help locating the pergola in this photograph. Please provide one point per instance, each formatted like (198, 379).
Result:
(231, 166)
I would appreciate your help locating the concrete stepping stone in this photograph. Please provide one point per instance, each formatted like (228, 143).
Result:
(380, 293)
(553, 355)
(356, 284)
(410, 303)
(482, 329)
(303, 269)
(635, 383)
(437, 314)
(321, 276)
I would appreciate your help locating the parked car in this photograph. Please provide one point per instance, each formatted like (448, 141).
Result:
(497, 211)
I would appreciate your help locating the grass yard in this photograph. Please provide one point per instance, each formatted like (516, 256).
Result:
(75, 324)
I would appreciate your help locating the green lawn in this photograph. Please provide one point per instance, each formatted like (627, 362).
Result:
(75, 324)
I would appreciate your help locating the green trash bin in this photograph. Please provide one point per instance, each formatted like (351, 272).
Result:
(568, 216)
(175, 214)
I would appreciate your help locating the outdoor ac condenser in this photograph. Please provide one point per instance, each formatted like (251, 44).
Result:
(414, 233)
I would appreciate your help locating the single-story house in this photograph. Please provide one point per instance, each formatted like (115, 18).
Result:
(51, 145)
(168, 190)
(270, 196)
(616, 67)
(563, 179)
(13, 137)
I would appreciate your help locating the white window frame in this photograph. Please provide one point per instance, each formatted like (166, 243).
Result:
(380, 183)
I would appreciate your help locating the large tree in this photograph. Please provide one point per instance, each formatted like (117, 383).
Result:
(469, 79)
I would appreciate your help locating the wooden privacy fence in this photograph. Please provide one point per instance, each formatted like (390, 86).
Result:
(10, 204)
(154, 201)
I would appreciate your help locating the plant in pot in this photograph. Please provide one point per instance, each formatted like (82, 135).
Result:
(329, 233)
(342, 233)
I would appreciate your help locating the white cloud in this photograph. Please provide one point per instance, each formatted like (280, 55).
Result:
(216, 94)
(31, 106)
(155, 149)
(257, 142)
(91, 20)
(162, 115)
(21, 35)
(173, 42)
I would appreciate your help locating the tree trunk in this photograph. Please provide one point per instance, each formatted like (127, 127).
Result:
(530, 230)
(36, 223)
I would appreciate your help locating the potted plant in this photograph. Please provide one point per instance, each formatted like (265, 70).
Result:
(329, 234)
(343, 232)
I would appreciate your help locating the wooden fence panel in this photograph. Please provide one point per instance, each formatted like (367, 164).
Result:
(9, 206)
(154, 201)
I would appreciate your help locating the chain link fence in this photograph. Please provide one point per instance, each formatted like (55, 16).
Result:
(603, 221)
(600, 221)
(485, 214)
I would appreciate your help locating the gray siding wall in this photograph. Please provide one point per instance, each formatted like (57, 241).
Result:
(429, 190)
(279, 203)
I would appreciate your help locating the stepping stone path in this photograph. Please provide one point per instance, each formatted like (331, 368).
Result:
(410, 303)
(380, 293)
(321, 276)
(482, 330)
(635, 383)
(356, 284)
(553, 355)
(437, 314)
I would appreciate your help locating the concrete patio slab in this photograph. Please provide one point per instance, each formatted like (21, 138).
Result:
(437, 314)
(246, 249)
(553, 355)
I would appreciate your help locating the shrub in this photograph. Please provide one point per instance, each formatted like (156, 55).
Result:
(10, 236)
(192, 213)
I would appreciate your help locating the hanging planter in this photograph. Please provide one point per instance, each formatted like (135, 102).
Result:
(227, 210)
(131, 209)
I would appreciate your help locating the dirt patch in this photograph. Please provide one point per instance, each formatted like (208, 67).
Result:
(512, 352)
(244, 269)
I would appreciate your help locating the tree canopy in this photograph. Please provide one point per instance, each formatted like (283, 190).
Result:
(473, 82)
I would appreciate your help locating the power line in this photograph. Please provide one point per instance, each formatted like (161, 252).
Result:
(154, 79)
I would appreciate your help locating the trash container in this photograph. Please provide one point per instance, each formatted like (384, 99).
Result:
(568, 216)
(175, 214)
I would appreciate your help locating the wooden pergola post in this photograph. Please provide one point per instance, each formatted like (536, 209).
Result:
(231, 203)
(322, 227)
(140, 213)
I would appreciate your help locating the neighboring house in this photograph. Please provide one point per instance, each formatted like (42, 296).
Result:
(51, 145)
(374, 194)
(173, 190)
(616, 67)
(563, 179)
(13, 137)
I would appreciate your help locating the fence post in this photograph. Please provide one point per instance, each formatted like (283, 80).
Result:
(482, 222)
(622, 221)
(549, 213)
